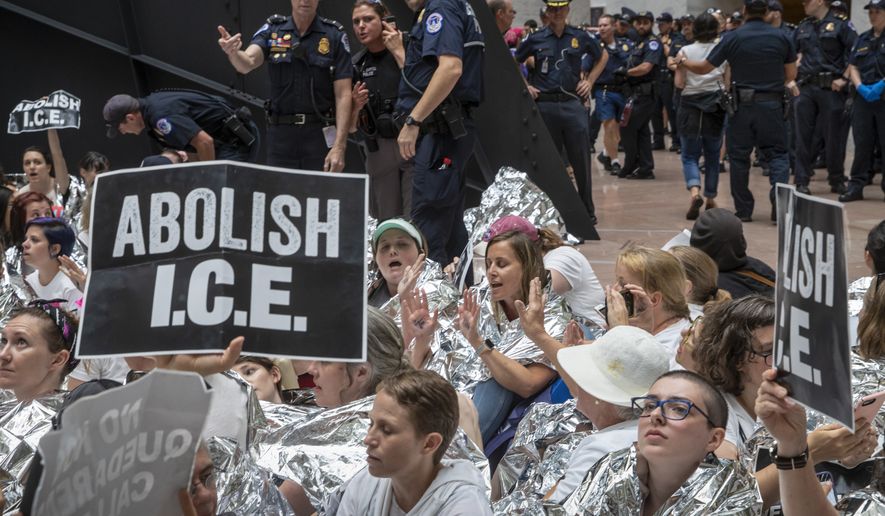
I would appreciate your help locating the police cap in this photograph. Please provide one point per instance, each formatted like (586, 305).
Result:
(756, 3)
(557, 3)
(115, 111)
(664, 18)
(875, 4)
(644, 14)
(775, 5)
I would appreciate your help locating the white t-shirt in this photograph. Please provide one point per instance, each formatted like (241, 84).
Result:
(457, 490)
(695, 311)
(53, 195)
(61, 287)
(740, 425)
(594, 447)
(111, 368)
(670, 337)
(586, 291)
(708, 82)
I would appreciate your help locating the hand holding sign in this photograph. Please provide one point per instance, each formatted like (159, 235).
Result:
(203, 365)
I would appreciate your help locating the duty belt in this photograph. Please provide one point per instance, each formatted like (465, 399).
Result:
(643, 88)
(614, 88)
(821, 80)
(555, 97)
(294, 119)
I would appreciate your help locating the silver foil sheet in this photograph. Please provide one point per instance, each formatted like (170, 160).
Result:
(442, 295)
(243, 486)
(74, 207)
(857, 289)
(454, 359)
(277, 415)
(20, 431)
(322, 452)
(612, 487)
(865, 502)
(540, 450)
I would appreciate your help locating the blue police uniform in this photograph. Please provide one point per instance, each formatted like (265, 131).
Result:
(444, 27)
(635, 136)
(825, 45)
(559, 61)
(303, 69)
(173, 118)
(868, 118)
(664, 95)
(757, 53)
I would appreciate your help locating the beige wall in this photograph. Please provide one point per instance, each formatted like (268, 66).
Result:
(580, 9)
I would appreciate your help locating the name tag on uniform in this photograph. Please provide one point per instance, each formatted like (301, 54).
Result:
(329, 134)
(544, 65)
(370, 71)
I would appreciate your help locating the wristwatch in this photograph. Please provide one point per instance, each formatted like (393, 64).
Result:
(797, 462)
(487, 345)
(412, 121)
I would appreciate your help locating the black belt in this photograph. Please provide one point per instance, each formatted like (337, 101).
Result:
(614, 88)
(643, 88)
(295, 119)
(821, 80)
(555, 97)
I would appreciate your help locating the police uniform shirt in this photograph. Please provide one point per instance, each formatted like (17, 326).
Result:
(618, 54)
(647, 50)
(443, 27)
(757, 53)
(379, 72)
(558, 60)
(175, 117)
(678, 44)
(868, 56)
(322, 55)
(824, 44)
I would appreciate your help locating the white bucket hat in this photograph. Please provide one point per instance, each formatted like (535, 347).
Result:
(620, 365)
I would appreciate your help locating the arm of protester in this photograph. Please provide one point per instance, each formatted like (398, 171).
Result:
(203, 364)
(531, 317)
(244, 61)
(59, 166)
(205, 146)
(834, 442)
(510, 374)
(334, 161)
(452, 268)
(297, 498)
(418, 326)
(73, 271)
(800, 491)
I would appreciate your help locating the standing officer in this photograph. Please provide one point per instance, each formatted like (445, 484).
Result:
(186, 120)
(641, 73)
(441, 83)
(867, 71)
(558, 86)
(823, 41)
(664, 94)
(608, 91)
(309, 64)
(762, 61)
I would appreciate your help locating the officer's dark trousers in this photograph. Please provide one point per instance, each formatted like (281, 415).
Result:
(438, 191)
(595, 125)
(567, 123)
(390, 180)
(296, 146)
(664, 101)
(636, 137)
(812, 102)
(868, 126)
(239, 151)
(759, 124)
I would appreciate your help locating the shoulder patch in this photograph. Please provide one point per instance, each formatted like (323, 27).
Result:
(334, 23)
(653, 45)
(164, 126)
(345, 42)
(261, 29)
(851, 26)
(434, 23)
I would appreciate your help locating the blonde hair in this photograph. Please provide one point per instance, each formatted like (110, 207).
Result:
(703, 273)
(384, 349)
(660, 272)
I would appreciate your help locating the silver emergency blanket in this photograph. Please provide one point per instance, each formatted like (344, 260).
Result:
(857, 289)
(512, 193)
(322, 452)
(442, 295)
(277, 415)
(74, 207)
(612, 487)
(865, 502)
(540, 450)
(454, 358)
(243, 486)
(20, 431)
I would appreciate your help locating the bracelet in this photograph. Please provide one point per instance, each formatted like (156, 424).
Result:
(788, 463)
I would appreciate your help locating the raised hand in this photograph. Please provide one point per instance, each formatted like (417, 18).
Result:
(410, 276)
(229, 44)
(468, 318)
(531, 316)
(203, 364)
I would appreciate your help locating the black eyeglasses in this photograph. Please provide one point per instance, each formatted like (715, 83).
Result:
(766, 357)
(206, 479)
(674, 410)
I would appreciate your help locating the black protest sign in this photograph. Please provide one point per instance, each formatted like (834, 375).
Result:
(129, 450)
(59, 110)
(185, 258)
(811, 333)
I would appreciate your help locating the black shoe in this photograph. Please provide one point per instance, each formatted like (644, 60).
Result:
(744, 218)
(657, 146)
(803, 189)
(624, 173)
(756, 163)
(605, 161)
(722, 168)
(774, 214)
(819, 164)
(615, 169)
(694, 209)
(594, 220)
(838, 188)
(675, 148)
(852, 194)
(639, 175)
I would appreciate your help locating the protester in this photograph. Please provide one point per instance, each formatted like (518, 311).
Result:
(26, 207)
(871, 326)
(46, 240)
(48, 173)
(413, 421)
(92, 164)
(701, 273)
(397, 245)
(263, 375)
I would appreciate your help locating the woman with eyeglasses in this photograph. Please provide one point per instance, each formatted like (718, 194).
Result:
(682, 420)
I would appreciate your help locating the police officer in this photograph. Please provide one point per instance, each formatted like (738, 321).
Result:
(664, 93)
(310, 74)
(608, 91)
(823, 40)
(186, 120)
(558, 86)
(441, 83)
(763, 61)
(640, 74)
(376, 71)
(867, 71)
